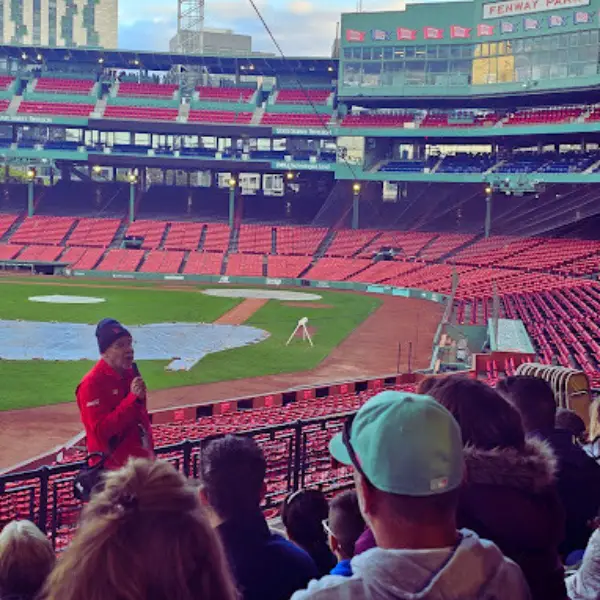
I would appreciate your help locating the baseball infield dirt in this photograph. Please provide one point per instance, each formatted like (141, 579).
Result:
(370, 351)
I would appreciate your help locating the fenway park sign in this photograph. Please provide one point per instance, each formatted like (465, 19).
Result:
(495, 10)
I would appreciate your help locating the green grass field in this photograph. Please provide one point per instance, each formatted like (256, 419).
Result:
(37, 383)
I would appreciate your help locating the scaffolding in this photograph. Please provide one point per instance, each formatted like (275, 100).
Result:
(190, 26)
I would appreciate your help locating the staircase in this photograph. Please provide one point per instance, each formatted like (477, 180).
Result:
(6, 237)
(364, 246)
(13, 107)
(265, 266)
(324, 245)
(593, 168)
(234, 239)
(274, 240)
(458, 249)
(140, 264)
(494, 167)
(184, 112)
(257, 116)
(98, 112)
(224, 264)
(437, 165)
(203, 235)
(63, 242)
(186, 256)
(163, 239)
(117, 241)
(429, 243)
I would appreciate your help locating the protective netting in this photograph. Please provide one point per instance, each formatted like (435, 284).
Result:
(184, 344)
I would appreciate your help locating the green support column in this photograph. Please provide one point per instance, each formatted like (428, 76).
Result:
(355, 199)
(488, 212)
(232, 186)
(131, 201)
(30, 191)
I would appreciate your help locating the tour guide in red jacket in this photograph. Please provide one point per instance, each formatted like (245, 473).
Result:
(112, 400)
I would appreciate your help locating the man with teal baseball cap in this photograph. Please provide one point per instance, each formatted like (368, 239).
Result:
(407, 454)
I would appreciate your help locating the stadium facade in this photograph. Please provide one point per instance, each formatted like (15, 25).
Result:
(61, 23)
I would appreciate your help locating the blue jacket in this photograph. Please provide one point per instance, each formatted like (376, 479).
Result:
(265, 565)
(343, 568)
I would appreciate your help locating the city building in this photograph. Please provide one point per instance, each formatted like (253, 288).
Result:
(62, 23)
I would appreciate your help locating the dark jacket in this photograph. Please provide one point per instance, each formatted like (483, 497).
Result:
(578, 481)
(510, 498)
(116, 421)
(265, 565)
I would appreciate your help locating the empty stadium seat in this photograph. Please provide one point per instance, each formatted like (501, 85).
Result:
(42, 230)
(129, 89)
(94, 232)
(302, 96)
(141, 113)
(225, 94)
(219, 116)
(74, 109)
(56, 85)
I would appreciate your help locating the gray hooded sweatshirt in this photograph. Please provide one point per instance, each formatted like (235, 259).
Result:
(473, 570)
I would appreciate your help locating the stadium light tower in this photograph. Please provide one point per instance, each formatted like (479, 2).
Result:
(190, 26)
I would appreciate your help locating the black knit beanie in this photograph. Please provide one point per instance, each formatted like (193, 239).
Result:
(108, 332)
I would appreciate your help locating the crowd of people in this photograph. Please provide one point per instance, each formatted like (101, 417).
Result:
(460, 491)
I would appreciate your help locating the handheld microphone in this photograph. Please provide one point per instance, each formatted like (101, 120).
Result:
(136, 370)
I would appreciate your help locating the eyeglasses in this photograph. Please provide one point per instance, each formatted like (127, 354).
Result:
(328, 531)
(348, 445)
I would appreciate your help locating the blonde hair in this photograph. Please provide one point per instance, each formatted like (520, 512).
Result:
(594, 420)
(26, 559)
(144, 536)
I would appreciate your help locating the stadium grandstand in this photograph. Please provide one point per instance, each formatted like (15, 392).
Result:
(451, 152)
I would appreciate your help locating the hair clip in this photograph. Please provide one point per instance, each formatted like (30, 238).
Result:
(126, 503)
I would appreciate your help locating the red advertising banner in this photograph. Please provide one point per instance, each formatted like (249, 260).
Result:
(403, 33)
(433, 33)
(352, 35)
(456, 32)
(483, 30)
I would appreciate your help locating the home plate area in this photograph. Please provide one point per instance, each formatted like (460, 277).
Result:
(183, 344)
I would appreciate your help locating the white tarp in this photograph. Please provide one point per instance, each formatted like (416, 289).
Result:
(184, 344)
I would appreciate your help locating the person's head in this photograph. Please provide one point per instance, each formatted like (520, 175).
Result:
(570, 421)
(533, 398)
(345, 524)
(302, 514)
(486, 419)
(115, 344)
(407, 455)
(145, 535)
(232, 475)
(594, 420)
(26, 559)
(426, 385)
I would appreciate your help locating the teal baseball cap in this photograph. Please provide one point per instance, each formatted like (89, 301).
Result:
(403, 444)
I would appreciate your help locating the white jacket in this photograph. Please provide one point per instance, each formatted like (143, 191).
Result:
(475, 570)
(585, 583)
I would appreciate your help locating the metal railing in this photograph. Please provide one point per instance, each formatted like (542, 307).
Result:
(297, 457)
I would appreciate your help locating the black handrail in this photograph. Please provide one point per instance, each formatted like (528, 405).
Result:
(286, 472)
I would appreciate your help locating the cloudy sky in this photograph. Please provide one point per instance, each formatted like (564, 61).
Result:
(302, 27)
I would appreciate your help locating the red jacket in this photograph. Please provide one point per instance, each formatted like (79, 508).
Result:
(116, 422)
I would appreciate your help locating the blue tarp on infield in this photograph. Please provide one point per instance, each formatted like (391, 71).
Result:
(184, 344)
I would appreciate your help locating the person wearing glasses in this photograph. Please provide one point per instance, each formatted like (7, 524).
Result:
(407, 454)
(344, 526)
